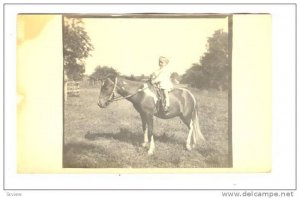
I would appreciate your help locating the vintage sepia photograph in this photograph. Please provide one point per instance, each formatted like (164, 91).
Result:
(149, 97)
(147, 91)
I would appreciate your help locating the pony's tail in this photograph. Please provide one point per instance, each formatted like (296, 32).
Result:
(197, 135)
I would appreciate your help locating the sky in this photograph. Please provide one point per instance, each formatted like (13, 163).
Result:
(133, 45)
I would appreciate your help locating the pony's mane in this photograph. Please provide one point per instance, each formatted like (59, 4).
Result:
(133, 82)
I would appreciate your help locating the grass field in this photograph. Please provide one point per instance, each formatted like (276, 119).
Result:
(112, 137)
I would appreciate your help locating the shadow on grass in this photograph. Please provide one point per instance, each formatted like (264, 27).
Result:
(127, 136)
(168, 139)
(89, 155)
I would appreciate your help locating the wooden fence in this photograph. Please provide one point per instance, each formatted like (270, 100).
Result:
(72, 89)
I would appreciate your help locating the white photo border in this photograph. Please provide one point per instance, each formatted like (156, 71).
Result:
(282, 51)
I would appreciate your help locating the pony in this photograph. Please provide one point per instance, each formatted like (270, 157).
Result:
(142, 96)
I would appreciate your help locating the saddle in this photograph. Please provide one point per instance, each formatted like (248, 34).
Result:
(160, 96)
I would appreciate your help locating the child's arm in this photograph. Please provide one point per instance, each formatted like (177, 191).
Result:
(154, 77)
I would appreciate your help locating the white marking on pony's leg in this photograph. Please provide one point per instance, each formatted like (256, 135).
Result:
(145, 137)
(194, 140)
(152, 146)
(188, 140)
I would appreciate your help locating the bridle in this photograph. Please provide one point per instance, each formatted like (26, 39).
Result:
(113, 94)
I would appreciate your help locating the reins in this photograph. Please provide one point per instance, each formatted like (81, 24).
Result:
(112, 97)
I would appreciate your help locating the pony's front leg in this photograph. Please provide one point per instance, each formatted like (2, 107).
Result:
(150, 134)
(146, 141)
(145, 130)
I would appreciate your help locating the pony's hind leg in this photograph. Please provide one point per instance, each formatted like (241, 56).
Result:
(188, 140)
(194, 140)
(189, 123)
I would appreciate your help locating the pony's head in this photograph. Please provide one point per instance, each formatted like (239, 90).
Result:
(106, 93)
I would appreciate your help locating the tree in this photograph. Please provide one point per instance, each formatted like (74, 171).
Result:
(76, 47)
(194, 76)
(212, 69)
(103, 71)
(215, 61)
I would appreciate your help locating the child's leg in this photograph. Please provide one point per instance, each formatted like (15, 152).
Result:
(166, 98)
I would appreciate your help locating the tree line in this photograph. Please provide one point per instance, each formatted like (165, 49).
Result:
(210, 72)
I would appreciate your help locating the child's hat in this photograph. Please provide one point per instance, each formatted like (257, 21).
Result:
(164, 59)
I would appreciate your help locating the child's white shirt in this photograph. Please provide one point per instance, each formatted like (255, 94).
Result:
(163, 78)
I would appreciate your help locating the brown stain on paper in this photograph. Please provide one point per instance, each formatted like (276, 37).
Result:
(28, 28)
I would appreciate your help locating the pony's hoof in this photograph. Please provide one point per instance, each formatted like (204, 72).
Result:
(144, 144)
(188, 147)
(150, 153)
(194, 146)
